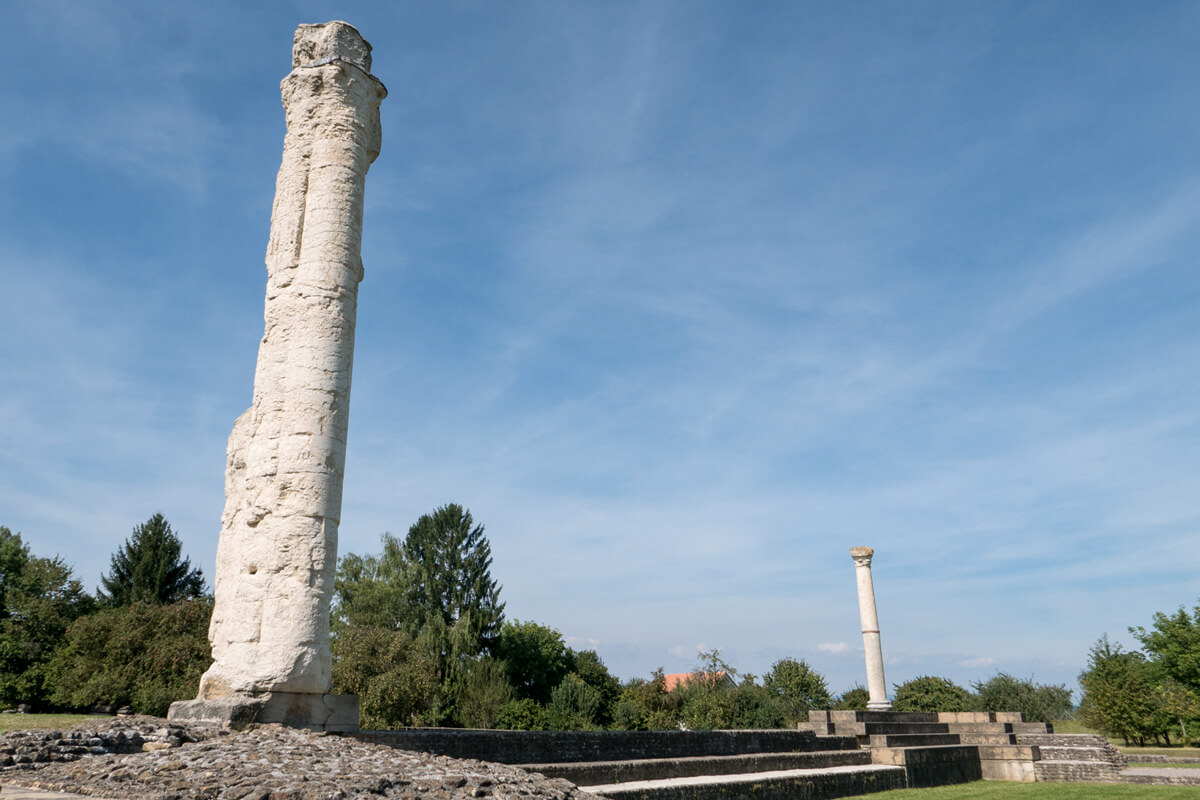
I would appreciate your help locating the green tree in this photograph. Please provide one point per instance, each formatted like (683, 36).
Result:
(522, 715)
(39, 599)
(573, 706)
(393, 674)
(588, 665)
(853, 699)
(647, 705)
(1038, 702)
(1173, 642)
(148, 569)
(483, 691)
(536, 659)
(930, 693)
(372, 591)
(449, 560)
(1118, 692)
(798, 687)
(144, 655)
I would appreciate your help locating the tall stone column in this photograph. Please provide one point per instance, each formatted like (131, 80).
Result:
(277, 553)
(876, 686)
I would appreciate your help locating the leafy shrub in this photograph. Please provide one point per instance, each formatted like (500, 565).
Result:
(143, 655)
(853, 699)
(798, 688)
(394, 677)
(522, 715)
(574, 706)
(590, 668)
(647, 705)
(536, 658)
(482, 693)
(1038, 702)
(931, 693)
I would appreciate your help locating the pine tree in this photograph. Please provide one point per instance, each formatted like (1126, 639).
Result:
(147, 568)
(449, 574)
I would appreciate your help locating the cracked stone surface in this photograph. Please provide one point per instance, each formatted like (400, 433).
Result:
(277, 552)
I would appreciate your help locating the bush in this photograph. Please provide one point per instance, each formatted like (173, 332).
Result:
(853, 699)
(574, 706)
(522, 715)
(798, 688)
(394, 677)
(647, 705)
(482, 693)
(535, 657)
(931, 693)
(588, 666)
(144, 655)
(39, 598)
(1038, 702)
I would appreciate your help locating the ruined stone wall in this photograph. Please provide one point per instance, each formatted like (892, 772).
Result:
(528, 747)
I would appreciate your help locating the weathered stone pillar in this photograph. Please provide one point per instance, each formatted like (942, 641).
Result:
(876, 686)
(277, 554)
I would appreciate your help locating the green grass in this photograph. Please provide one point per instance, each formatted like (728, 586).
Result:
(1191, 752)
(1072, 726)
(1159, 765)
(30, 722)
(1003, 790)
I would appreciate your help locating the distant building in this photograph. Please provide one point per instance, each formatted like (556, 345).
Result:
(676, 679)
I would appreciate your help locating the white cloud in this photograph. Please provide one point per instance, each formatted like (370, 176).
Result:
(688, 650)
(833, 647)
(982, 661)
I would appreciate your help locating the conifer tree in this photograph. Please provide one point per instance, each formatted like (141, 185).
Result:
(147, 568)
(449, 574)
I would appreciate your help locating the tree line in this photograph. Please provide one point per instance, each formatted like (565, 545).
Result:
(1150, 694)
(419, 634)
(139, 641)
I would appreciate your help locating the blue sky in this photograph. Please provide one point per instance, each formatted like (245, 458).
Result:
(682, 300)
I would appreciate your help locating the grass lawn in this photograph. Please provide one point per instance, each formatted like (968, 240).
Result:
(1190, 752)
(1157, 765)
(29, 722)
(1004, 790)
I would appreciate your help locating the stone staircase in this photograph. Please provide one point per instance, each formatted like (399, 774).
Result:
(838, 754)
(941, 748)
(1075, 757)
(674, 765)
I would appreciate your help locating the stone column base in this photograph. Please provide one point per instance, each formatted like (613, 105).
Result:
(334, 713)
(872, 705)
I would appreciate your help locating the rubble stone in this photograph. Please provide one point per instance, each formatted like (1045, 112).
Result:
(264, 762)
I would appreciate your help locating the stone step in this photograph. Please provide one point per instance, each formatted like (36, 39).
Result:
(979, 727)
(1063, 739)
(1053, 753)
(605, 772)
(1161, 777)
(1074, 771)
(797, 784)
(883, 728)
(914, 740)
(986, 738)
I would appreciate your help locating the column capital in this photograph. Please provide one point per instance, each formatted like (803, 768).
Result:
(330, 41)
(862, 556)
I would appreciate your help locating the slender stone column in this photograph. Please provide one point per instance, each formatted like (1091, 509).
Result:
(277, 554)
(876, 686)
